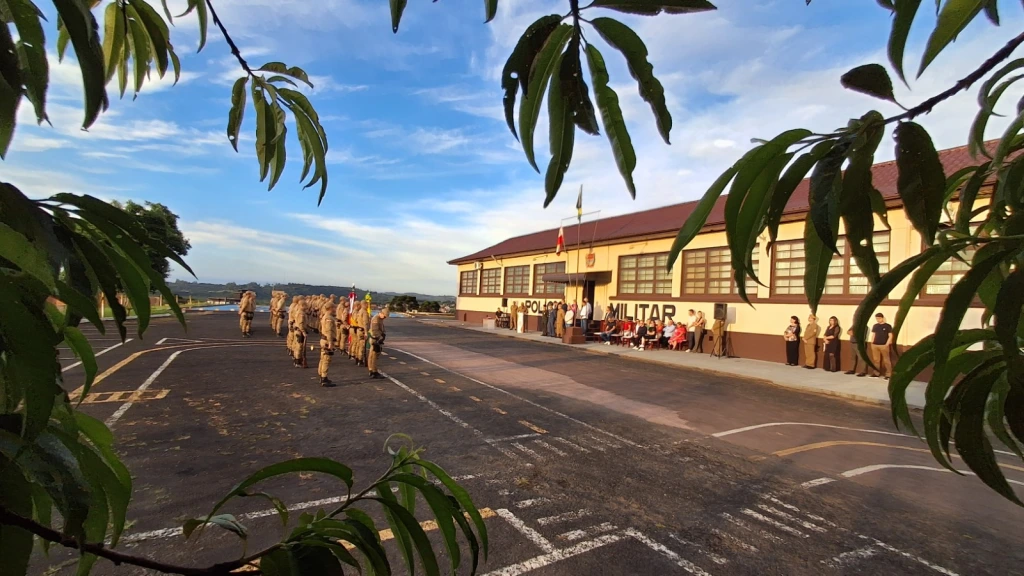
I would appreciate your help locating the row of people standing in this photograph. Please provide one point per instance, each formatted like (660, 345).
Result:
(806, 337)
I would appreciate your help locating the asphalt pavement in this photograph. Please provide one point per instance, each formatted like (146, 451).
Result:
(584, 464)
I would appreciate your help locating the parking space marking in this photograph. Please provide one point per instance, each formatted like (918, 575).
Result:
(877, 467)
(439, 381)
(661, 548)
(574, 535)
(555, 556)
(474, 398)
(894, 550)
(533, 427)
(527, 451)
(100, 353)
(565, 517)
(817, 482)
(711, 555)
(500, 411)
(773, 522)
(812, 424)
(133, 395)
(571, 444)
(734, 540)
(531, 534)
(550, 447)
(851, 557)
(531, 502)
(834, 443)
(745, 526)
(142, 388)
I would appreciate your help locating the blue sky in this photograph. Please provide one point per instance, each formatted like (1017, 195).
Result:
(422, 166)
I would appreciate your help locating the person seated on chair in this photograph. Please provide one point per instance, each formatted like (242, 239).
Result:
(667, 332)
(650, 335)
(638, 335)
(611, 329)
(627, 332)
(678, 338)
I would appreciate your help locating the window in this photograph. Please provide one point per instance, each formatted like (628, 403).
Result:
(755, 260)
(709, 271)
(517, 280)
(542, 288)
(491, 281)
(467, 282)
(789, 268)
(844, 276)
(645, 274)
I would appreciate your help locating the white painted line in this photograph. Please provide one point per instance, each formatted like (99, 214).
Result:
(574, 535)
(570, 444)
(526, 450)
(817, 482)
(565, 517)
(550, 447)
(138, 391)
(679, 560)
(161, 341)
(771, 424)
(603, 441)
(772, 522)
(734, 540)
(711, 555)
(797, 510)
(934, 567)
(531, 534)
(511, 438)
(810, 526)
(851, 557)
(100, 353)
(555, 556)
(877, 467)
(504, 492)
(758, 531)
(532, 502)
(520, 398)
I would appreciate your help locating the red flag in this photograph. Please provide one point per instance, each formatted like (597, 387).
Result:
(560, 244)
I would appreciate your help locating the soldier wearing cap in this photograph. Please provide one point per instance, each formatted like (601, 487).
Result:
(246, 308)
(328, 331)
(377, 335)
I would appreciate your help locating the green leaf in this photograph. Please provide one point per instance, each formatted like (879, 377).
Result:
(825, 191)
(938, 398)
(442, 509)
(279, 506)
(905, 11)
(517, 68)
(870, 79)
(113, 38)
(543, 67)
(293, 71)
(322, 465)
(655, 7)
(23, 254)
(818, 257)
(77, 342)
(314, 559)
(1007, 141)
(135, 286)
(403, 536)
(490, 10)
(15, 543)
(750, 220)
(632, 47)
(1014, 411)
(106, 277)
(976, 142)
(575, 91)
(696, 220)
(84, 35)
(141, 53)
(35, 68)
(921, 181)
(855, 203)
(562, 136)
(954, 17)
(406, 522)
(279, 159)
(156, 29)
(995, 413)
(397, 7)
(1007, 313)
(237, 112)
(225, 521)
(611, 117)
(992, 11)
(917, 284)
(461, 496)
(788, 183)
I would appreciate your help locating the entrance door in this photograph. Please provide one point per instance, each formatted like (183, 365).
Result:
(588, 293)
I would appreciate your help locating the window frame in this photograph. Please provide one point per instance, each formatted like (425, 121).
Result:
(938, 299)
(490, 278)
(538, 285)
(848, 271)
(462, 282)
(656, 268)
(732, 293)
(512, 272)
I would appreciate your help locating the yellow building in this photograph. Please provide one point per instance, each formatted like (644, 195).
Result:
(621, 262)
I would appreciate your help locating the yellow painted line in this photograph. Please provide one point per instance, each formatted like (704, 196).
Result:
(425, 373)
(439, 381)
(385, 535)
(125, 396)
(400, 362)
(833, 443)
(455, 389)
(474, 398)
(500, 411)
(533, 427)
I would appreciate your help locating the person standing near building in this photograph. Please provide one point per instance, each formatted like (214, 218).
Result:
(699, 327)
(792, 338)
(521, 318)
(810, 339)
(856, 359)
(881, 347)
(586, 313)
(513, 316)
(691, 323)
(328, 333)
(831, 346)
(377, 335)
(246, 311)
(552, 317)
(544, 319)
(560, 319)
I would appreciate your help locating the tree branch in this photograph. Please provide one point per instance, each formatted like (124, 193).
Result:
(114, 556)
(227, 38)
(926, 106)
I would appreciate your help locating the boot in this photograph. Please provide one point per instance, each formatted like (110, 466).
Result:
(326, 382)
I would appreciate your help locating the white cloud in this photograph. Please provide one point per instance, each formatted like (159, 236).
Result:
(32, 143)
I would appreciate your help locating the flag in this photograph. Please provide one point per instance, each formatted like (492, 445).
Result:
(579, 205)
(560, 243)
(352, 301)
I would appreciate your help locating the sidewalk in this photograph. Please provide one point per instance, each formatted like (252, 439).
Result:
(871, 390)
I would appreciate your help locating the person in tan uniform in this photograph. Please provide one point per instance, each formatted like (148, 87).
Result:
(246, 310)
(298, 327)
(342, 320)
(289, 322)
(718, 336)
(377, 335)
(363, 314)
(328, 331)
(513, 315)
(810, 341)
(560, 319)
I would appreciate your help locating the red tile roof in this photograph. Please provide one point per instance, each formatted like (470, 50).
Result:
(667, 220)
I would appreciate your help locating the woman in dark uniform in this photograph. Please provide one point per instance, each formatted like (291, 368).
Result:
(832, 334)
(792, 337)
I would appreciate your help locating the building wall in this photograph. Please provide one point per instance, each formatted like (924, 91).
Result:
(755, 330)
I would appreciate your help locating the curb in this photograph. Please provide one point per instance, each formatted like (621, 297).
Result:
(819, 391)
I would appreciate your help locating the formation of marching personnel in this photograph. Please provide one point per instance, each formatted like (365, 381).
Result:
(346, 327)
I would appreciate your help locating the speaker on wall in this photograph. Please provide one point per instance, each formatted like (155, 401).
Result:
(721, 311)
(504, 302)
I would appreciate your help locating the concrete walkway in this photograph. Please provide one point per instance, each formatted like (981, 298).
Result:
(871, 390)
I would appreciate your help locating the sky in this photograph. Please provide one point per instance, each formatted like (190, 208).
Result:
(422, 167)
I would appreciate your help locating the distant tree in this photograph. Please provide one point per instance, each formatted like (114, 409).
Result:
(429, 306)
(162, 226)
(404, 303)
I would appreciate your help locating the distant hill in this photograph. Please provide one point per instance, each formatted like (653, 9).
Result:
(205, 291)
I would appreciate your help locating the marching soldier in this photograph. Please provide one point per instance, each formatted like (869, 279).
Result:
(810, 339)
(299, 333)
(513, 315)
(342, 321)
(282, 321)
(328, 330)
(364, 324)
(246, 309)
(377, 336)
(353, 322)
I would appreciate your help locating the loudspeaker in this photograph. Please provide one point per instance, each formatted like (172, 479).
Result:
(721, 311)
(504, 302)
